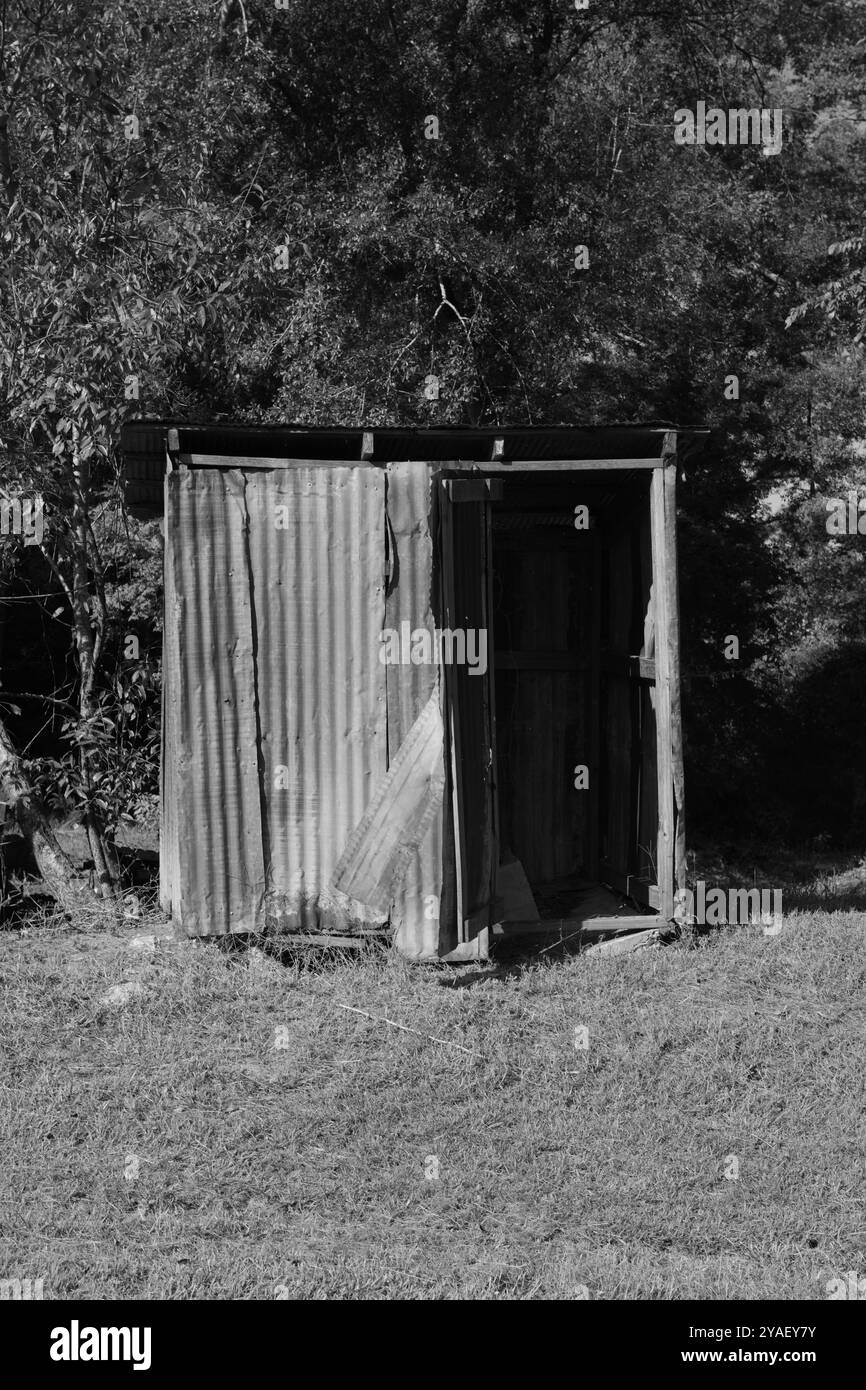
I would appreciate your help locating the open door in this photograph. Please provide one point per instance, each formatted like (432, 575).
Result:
(642, 831)
(629, 714)
(466, 657)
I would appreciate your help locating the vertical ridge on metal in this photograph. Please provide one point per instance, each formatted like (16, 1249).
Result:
(419, 911)
(215, 878)
(316, 547)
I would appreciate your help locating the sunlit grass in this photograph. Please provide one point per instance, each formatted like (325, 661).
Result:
(233, 1133)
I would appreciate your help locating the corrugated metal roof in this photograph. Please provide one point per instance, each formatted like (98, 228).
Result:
(144, 443)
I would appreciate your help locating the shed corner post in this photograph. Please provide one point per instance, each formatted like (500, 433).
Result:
(670, 472)
(671, 832)
(168, 881)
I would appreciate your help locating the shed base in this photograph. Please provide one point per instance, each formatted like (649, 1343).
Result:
(569, 908)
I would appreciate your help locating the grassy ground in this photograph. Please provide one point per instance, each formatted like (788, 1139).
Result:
(232, 1132)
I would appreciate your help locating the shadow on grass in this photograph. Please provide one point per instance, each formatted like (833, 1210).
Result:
(294, 952)
(814, 900)
(510, 960)
(21, 910)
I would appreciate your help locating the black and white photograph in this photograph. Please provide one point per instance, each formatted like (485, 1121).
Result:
(432, 666)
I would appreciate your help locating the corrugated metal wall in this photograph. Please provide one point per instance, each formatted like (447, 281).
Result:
(169, 863)
(316, 555)
(280, 721)
(215, 875)
(423, 929)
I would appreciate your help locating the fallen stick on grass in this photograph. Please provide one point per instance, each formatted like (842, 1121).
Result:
(429, 1036)
(562, 940)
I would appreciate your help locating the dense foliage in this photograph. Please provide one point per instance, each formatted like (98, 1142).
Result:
(241, 210)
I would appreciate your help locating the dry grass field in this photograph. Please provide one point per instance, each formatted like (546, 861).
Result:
(231, 1131)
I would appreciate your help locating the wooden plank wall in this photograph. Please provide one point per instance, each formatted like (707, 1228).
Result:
(618, 714)
(648, 801)
(629, 791)
(543, 586)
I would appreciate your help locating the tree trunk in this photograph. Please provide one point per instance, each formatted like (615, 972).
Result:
(8, 184)
(69, 887)
(88, 645)
(105, 862)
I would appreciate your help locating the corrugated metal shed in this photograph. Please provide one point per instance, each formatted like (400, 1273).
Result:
(310, 787)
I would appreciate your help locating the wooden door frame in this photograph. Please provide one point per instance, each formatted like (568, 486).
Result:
(669, 745)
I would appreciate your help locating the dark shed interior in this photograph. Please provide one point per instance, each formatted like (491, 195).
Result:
(571, 655)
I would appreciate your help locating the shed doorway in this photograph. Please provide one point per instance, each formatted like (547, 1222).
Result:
(556, 786)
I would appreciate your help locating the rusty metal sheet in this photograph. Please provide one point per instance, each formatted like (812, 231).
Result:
(215, 878)
(317, 561)
(275, 716)
(396, 820)
(419, 916)
(169, 863)
(280, 720)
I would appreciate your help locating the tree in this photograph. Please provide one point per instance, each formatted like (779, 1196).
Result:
(314, 213)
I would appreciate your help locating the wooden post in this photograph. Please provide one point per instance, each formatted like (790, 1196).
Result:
(667, 669)
(670, 472)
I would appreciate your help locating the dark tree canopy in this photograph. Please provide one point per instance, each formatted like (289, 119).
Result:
(308, 212)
